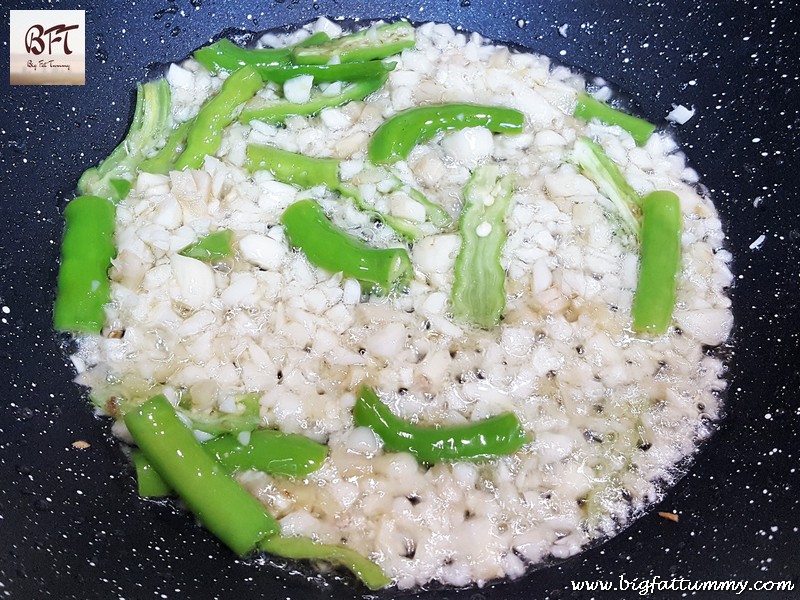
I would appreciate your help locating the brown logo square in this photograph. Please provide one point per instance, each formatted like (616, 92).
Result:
(48, 47)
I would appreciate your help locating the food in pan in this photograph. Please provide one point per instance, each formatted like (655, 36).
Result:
(401, 301)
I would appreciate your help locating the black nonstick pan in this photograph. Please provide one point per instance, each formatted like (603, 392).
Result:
(71, 524)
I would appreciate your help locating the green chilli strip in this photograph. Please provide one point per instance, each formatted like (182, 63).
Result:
(86, 253)
(217, 500)
(478, 295)
(484, 440)
(659, 263)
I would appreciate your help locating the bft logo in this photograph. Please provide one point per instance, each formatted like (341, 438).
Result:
(47, 47)
(35, 41)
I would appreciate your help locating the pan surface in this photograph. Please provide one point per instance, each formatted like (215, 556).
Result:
(71, 525)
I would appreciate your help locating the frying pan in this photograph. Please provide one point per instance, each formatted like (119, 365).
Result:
(71, 525)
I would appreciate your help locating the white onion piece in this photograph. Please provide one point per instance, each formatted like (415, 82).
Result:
(298, 89)
(262, 251)
(680, 114)
(352, 292)
(169, 213)
(387, 341)
(469, 146)
(710, 326)
(401, 205)
(195, 281)
(436, 253)
(192, 191)
(177, 76)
